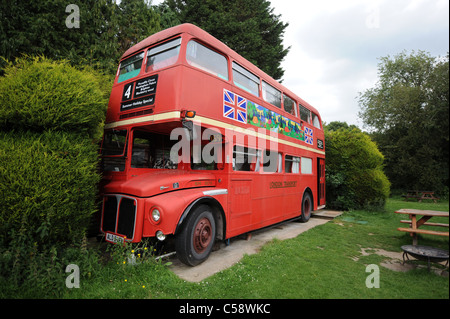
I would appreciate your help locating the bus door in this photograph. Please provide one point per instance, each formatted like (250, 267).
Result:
(245, 163)
(240, 203)
(321, 181)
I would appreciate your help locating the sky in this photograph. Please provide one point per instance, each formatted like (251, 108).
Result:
(336, 46)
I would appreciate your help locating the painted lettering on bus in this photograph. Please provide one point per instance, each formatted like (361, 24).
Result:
(284, 184)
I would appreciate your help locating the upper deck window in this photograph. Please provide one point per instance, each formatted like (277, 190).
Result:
(129, 68)
(245, 79)
(206, 59)
(315, 120)
(271, 94)
(163, 55)
(289, 105)
(305, 114)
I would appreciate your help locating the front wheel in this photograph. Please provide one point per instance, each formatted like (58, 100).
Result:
(195, 241)
(306, 208)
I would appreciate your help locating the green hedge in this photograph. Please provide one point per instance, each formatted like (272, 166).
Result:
(39, 94)
(354, 171)
(48, 184)
(51, 120)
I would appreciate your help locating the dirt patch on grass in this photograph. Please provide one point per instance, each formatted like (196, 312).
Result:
(394, 261)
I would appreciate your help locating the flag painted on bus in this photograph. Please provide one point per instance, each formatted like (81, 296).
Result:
(234, 106)
(309, 136)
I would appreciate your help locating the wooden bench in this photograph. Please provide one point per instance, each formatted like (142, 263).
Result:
(428, 224)
(411, 194)
(424, 231)
(420, 195)
(415, 222)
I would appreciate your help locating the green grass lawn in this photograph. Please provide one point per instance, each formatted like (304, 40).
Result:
(319, 263)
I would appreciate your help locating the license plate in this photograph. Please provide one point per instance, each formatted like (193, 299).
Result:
(115, 239)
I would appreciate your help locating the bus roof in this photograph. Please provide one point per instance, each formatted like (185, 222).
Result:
(213, 42)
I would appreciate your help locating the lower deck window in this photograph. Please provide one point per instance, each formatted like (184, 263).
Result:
(292, 164)
(209, 154)
(272, 162)
(245, 159)
(152, 150)
(306, 165)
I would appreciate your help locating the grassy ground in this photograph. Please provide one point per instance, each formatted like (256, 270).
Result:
(317, 264)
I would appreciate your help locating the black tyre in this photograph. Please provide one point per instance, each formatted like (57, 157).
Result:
(307, 206)
(195, 241)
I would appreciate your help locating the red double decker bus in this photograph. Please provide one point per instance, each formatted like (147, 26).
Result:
(202, 145)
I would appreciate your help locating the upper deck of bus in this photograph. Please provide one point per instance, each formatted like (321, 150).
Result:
(181, 84)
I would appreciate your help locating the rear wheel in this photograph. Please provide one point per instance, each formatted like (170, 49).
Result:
(306, 208)
(195, 241)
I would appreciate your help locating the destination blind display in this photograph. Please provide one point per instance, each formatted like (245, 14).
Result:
(139, 93)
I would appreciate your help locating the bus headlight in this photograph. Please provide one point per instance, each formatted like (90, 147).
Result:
(156, 215)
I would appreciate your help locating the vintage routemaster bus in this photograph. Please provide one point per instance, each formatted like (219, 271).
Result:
(202, 145)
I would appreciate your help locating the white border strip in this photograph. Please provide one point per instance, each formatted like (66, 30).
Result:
(148, 118)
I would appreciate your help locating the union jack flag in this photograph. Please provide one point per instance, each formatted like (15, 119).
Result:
(234, 106)
(309, 136)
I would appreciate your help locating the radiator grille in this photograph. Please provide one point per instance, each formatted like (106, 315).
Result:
(119, 215)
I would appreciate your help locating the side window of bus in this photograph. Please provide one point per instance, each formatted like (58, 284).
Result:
(163, 55)
(271, 94)
(206, 59)
(289, 105)
(211, 152)
(292, 164)
(152, 150)
(245, 159)
(272, 162)
(315, 121)
(245, 79)
(305, 114)
(129, 68)
(306, 165)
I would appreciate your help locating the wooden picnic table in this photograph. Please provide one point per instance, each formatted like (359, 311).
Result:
(416, 223)
(420, 195)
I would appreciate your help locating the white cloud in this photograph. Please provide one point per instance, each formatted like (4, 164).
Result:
(335, 46)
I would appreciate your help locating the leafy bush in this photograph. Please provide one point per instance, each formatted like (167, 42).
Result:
(51, 117)
(48, 184)
(354, 171)
(39, 94)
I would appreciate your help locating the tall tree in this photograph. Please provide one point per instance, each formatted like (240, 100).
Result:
(138, 20)
(249, 27)
(105, 29)
(408, 113)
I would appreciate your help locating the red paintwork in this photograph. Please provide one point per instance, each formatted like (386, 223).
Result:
(254, 199)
